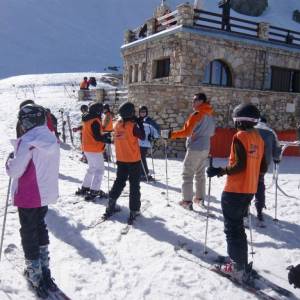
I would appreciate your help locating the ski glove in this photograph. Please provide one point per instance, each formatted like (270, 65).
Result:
(276, 161)
(212, 171)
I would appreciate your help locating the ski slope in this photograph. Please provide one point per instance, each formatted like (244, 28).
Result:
(52, 36)
(101, 264)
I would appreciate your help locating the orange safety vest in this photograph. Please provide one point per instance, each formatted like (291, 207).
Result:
(84, 85)
(126, 144)
(107, 122)
(89, 144)
(246, 181)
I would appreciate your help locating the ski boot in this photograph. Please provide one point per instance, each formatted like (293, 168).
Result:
(199, 202)
(93, 194)
(33, 274)
(186, 204)
(132, 216)
(83, 191)
(260, 220)
(111, 209)
(48, 280)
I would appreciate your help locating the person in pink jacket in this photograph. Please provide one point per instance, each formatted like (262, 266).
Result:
(34, 167)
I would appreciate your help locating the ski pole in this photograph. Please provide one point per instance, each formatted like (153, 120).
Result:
(4, 218)
(151, 152)
(276, 189)
(208, 206)
(166, 164)
(108, 154)
(144, 170)
(250, 230)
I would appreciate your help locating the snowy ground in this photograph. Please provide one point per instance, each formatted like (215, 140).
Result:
(99, 263)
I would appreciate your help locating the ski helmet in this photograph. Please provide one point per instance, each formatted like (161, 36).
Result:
(143, 108)
(106, 106)
(26, 102)
(96, 109)
(126, 110)
(31, 116)
(84, 108)
(245, 115)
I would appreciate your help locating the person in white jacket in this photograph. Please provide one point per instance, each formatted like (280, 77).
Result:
(34, 168)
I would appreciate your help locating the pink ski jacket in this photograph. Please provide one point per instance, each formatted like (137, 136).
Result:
(34, 168)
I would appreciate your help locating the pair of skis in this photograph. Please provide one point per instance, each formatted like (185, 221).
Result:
(259, 286)
(15, 257)
(64, 123)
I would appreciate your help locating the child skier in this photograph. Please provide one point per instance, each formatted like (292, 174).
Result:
(151, 132)
(93, 144)
(34, 168)
(127, 130)
(246, 162)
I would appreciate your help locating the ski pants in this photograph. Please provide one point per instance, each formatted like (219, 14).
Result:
(260, 198)
(234, 208)
(194, 166)
(33, 230)
(95, 171)
(144, 151)
(132, 172)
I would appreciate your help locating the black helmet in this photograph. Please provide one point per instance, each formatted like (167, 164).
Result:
(245, 115)
(31, 115)
(84, 108)
(106, 106)
(294, 276)
(26, 102)
(126, 110)
(96, 109)
(143, 108)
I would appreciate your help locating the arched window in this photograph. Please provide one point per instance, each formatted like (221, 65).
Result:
(217, 73)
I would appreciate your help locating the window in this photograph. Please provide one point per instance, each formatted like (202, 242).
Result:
(144, 72)
(285, 80)
(130, 74)
(162, 68)
(217, 73)
(135, 73)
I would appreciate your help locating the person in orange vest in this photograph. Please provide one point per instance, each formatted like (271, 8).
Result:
(246, 163)
(84, 85)
(128, 129)
(107, 126)
(93, 144)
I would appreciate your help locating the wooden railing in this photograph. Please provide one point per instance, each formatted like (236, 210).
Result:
(244, 27)
(207, 19)
(166, 21)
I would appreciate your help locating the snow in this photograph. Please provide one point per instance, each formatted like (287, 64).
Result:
(100, 263)
(53, 36)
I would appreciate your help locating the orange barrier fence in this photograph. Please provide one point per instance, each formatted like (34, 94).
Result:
(221, 142)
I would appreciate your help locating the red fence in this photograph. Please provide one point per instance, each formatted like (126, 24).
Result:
(221, 142)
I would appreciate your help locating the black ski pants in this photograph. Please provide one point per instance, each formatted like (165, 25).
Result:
(234, 208)
(132, 172)
(260, 198)
(33, 230)
(144, 151)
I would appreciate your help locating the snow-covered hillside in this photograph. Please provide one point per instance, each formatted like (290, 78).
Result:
(53, 36)
(101, 264)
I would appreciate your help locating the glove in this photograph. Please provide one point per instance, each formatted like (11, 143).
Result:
(212, 171)
(11, 155)
(150, 138)
(74, 129)
(107, 138)
(165, 133)
(276, 161)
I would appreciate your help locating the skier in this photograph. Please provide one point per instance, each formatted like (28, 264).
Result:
(198, 129)
(34, 167)
(151, 132)
(246, 162)
(84, 85)
(127, 130)
(107, 126)
(93, 143)
(272, 151)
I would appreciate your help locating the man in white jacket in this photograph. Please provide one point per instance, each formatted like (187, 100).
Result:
(34, 168)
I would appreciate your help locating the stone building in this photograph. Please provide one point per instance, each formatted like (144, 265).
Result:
(171, 57)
